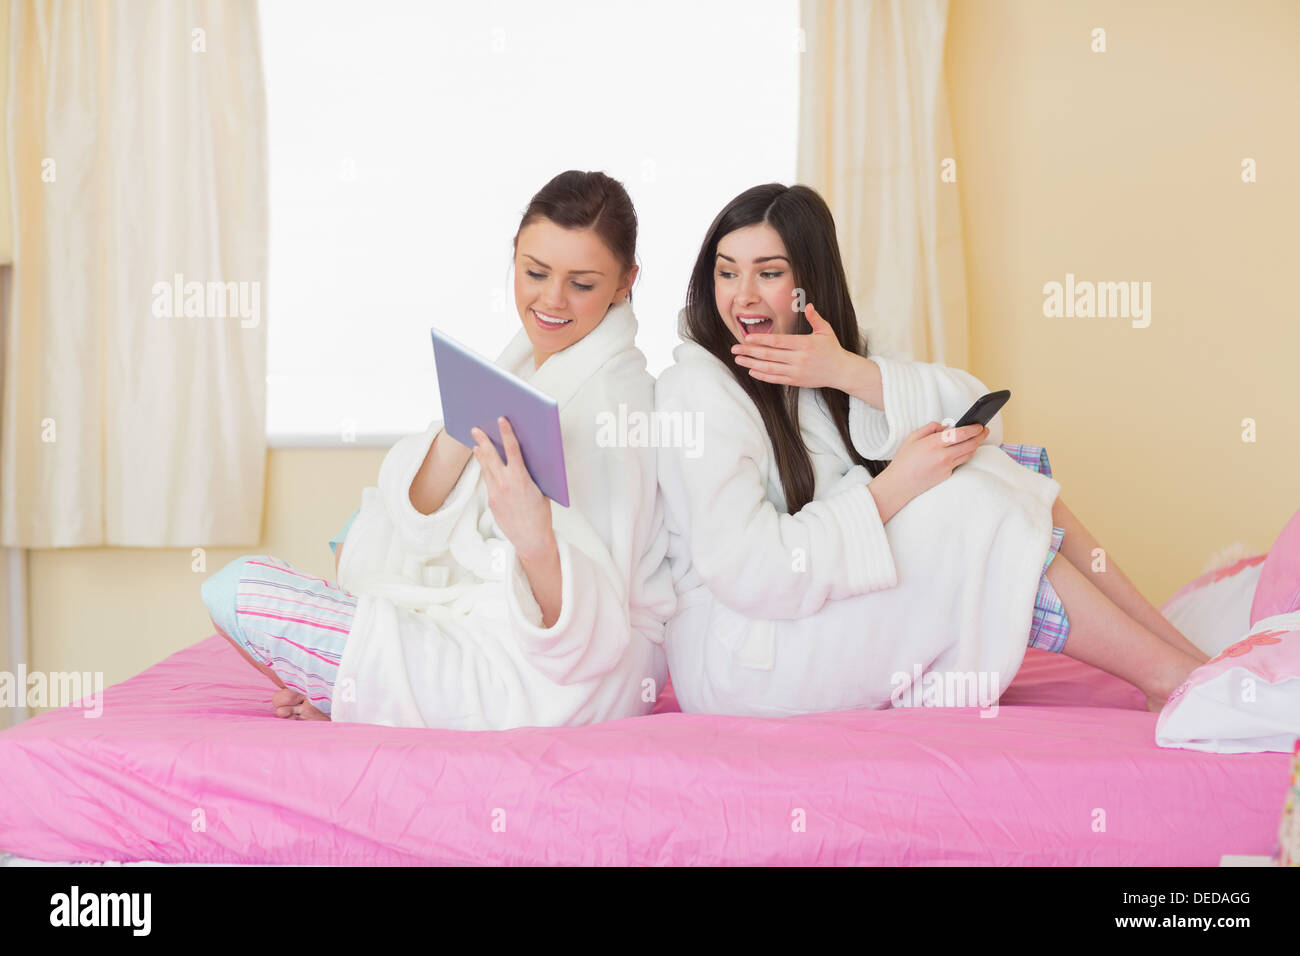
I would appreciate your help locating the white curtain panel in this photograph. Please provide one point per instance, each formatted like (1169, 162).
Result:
(13, 571)
(874, 134)
(134, 406)
(13, 632)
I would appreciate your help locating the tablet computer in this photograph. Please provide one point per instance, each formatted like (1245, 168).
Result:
(475, 392)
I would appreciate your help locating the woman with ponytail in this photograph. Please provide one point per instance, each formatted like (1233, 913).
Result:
(465, 598)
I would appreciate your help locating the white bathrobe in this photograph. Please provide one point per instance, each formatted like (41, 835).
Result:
(447, 632)
(830, 609)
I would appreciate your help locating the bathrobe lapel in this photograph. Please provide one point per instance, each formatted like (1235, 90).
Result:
(562, 376)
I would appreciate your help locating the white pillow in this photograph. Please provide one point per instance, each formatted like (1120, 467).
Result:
(1214, 610)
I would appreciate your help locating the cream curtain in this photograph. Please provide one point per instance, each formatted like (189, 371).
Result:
(873, 136)
(135, 361)
(13, 565)
(13, 629)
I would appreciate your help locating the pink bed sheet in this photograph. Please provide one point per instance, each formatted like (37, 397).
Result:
(187, 764)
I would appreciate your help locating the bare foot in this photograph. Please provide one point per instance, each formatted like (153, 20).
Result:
(1158, 693)
(293, 705)
(285, 700)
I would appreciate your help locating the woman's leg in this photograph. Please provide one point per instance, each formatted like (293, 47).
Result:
(286, 701)
(1105, 636)
(290, 626)
(1077, 547)
(275, 678)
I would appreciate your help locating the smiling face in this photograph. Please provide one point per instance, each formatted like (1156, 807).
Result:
(565, 282)
(753, 284)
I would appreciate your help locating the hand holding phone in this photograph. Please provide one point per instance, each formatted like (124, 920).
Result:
(925, 457)
(982, 412)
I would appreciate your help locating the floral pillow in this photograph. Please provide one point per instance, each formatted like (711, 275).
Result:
(1245, 700)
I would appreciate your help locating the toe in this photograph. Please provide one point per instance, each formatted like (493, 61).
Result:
(286, 702)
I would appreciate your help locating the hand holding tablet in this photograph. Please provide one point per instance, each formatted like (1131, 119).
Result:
(475, 393)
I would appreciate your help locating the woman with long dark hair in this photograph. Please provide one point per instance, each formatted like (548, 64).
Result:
(835, 543)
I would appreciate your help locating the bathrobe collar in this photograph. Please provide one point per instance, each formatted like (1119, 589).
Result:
(563, 373)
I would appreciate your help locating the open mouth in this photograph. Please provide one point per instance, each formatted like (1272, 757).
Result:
(749, 324)
(550, 322)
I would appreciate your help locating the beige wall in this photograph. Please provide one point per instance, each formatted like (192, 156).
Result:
(1125, 165)
(1114, 166)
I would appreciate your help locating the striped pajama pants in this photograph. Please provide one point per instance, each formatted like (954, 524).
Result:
(1051, 625)
(294, 623)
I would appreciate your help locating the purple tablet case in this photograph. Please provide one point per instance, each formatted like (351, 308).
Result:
(475, 392)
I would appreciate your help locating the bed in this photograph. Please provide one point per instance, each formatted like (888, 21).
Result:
(187, 764)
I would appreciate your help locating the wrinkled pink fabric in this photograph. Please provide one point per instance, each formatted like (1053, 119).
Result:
(1067, 773)
(1278, 590)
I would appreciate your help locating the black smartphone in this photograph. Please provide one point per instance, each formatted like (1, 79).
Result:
(982, 412)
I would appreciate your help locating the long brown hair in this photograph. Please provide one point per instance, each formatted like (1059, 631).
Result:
(805, 224)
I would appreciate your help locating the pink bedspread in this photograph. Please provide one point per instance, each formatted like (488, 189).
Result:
(187, 764)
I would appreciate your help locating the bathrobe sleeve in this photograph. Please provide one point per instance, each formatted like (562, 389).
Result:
(426, 535)
(915, 393)
(612, 591)
(760, 562)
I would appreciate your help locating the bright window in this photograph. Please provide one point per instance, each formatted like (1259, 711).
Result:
(407, 138)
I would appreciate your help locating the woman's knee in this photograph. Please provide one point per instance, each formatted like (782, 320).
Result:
(220, 593)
